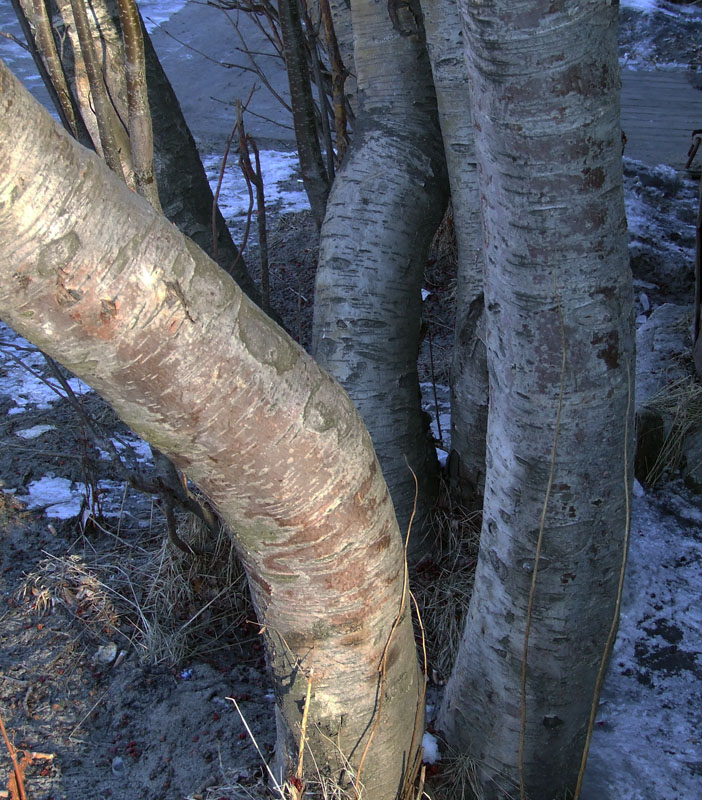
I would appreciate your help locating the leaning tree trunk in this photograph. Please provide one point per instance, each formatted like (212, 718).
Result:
(95, 277)
(382, 212)
(183, 188)
(558, 296)
(469, 380)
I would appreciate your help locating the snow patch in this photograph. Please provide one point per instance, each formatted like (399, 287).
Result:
(431, 749)
(279, 170)
(56, 496)
(23, 366)
(35, 431)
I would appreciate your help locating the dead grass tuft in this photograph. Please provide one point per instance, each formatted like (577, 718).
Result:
(191, 604)
(148, 594)
(459, 778)
(681, 401)
(443, 584)
(75, 585)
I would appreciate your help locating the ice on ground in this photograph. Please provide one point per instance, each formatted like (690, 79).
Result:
(646, 6)
(431, 749)
(156, 12)
(35, 431)
(23, 366)
(650, 6)
(278, 168)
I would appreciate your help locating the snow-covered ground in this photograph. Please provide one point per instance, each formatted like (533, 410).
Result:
(648, 738)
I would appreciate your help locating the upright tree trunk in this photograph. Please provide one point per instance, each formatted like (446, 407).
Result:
(469, 380)
(95, 277)
(558, 295)
(384, 208)
(314, 175)
(183, 188)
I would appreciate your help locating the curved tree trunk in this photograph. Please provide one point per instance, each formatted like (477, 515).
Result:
(384, 208)
(469, 379)
(183, 188)
(92, 275)
(560, 351)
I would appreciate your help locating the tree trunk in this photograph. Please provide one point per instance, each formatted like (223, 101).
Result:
(314, 176)
(383, 210)
(469, 379)
(558, 296)
(184, 191)
(95, 277)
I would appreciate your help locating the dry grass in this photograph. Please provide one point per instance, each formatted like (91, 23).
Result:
(460, 780)
(73, 584)
(146, 593)
(681, 401)
(443, 585)
(191, 604)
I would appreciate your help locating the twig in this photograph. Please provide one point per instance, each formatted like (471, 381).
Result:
(215, 199)
(255, 67)
(260, 116)
(19, 773)
(254, 177)
(14, 39)
(339, 74)
(258, 749)
(92, 708)
(299, 787)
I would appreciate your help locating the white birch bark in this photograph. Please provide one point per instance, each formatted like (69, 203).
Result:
(558, 292)
(469, 381)
(184, 191)
(384, 207)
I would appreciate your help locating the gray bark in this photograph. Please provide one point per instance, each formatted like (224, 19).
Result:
(560, 346)
(99, 280)
(314, 175)
(469, 379)
(383, 210)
